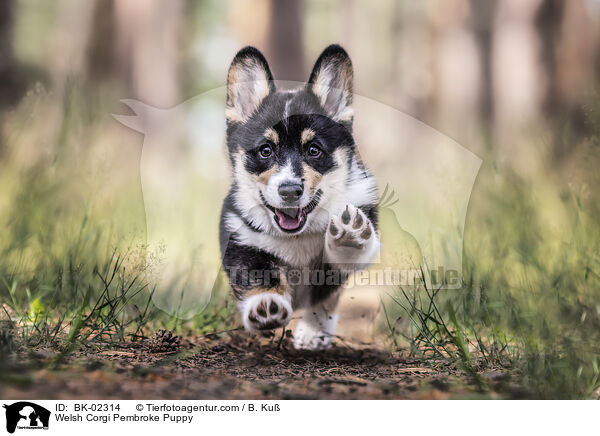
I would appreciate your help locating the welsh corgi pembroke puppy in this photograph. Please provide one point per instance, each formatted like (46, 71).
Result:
(301, 212)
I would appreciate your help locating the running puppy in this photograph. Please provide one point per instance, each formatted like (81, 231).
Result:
(301, 211)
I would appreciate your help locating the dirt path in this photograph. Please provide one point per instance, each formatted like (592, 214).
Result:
(241, 367)
(237, 365)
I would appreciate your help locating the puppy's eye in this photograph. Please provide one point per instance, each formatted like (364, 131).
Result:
(265, 151)
(314, 151)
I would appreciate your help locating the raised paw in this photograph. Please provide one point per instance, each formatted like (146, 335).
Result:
(351, 237)
(266, 311)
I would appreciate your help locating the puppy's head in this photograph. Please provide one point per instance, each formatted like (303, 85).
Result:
(290, 150)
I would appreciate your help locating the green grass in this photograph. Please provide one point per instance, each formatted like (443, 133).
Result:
(531, 299)
(73, 259)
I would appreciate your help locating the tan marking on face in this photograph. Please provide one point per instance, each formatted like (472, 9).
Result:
(307, 135)
(266, 175)
(240, 171)
(272, 135)
(311, 176)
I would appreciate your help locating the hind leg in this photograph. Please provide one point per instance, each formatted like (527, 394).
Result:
(317, 325)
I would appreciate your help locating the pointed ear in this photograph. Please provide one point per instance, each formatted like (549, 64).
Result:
(331, 81)
(249, 81)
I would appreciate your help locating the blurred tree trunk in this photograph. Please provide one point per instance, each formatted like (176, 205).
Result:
(136, 43)
(6, 9)
(455, 98)
(286, 54)
(101, 56)
(517, 79)
(249, 22)
(11, 88)
(482, 22)
(14, 77)
(548, 21)
(7, 66)
(568, 35)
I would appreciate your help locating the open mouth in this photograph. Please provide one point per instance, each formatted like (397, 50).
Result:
(292, 219)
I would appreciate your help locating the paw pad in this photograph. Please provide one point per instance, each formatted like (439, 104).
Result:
(333, 229)
(266, 311)
(358, 222)
(346, 216)
(350, 229)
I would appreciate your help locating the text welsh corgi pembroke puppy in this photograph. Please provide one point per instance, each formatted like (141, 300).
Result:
(301, 212)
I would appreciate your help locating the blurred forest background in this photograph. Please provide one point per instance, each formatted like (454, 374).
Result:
(513, 81)
(467, 68)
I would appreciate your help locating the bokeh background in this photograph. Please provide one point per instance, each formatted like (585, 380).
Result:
(513, 81)
(466, 67)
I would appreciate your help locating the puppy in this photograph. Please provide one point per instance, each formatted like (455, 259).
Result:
(301, 212)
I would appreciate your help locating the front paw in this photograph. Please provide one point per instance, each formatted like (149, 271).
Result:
(308, 337)
(350, 237)
(266, 311)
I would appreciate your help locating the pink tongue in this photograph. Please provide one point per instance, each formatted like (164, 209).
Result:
(288, 222)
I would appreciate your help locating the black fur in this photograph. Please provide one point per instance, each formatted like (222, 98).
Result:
(288, 115)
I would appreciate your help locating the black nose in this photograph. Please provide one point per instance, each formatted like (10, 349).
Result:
(291, 191)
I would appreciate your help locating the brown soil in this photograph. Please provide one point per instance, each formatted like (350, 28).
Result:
(239, 366)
